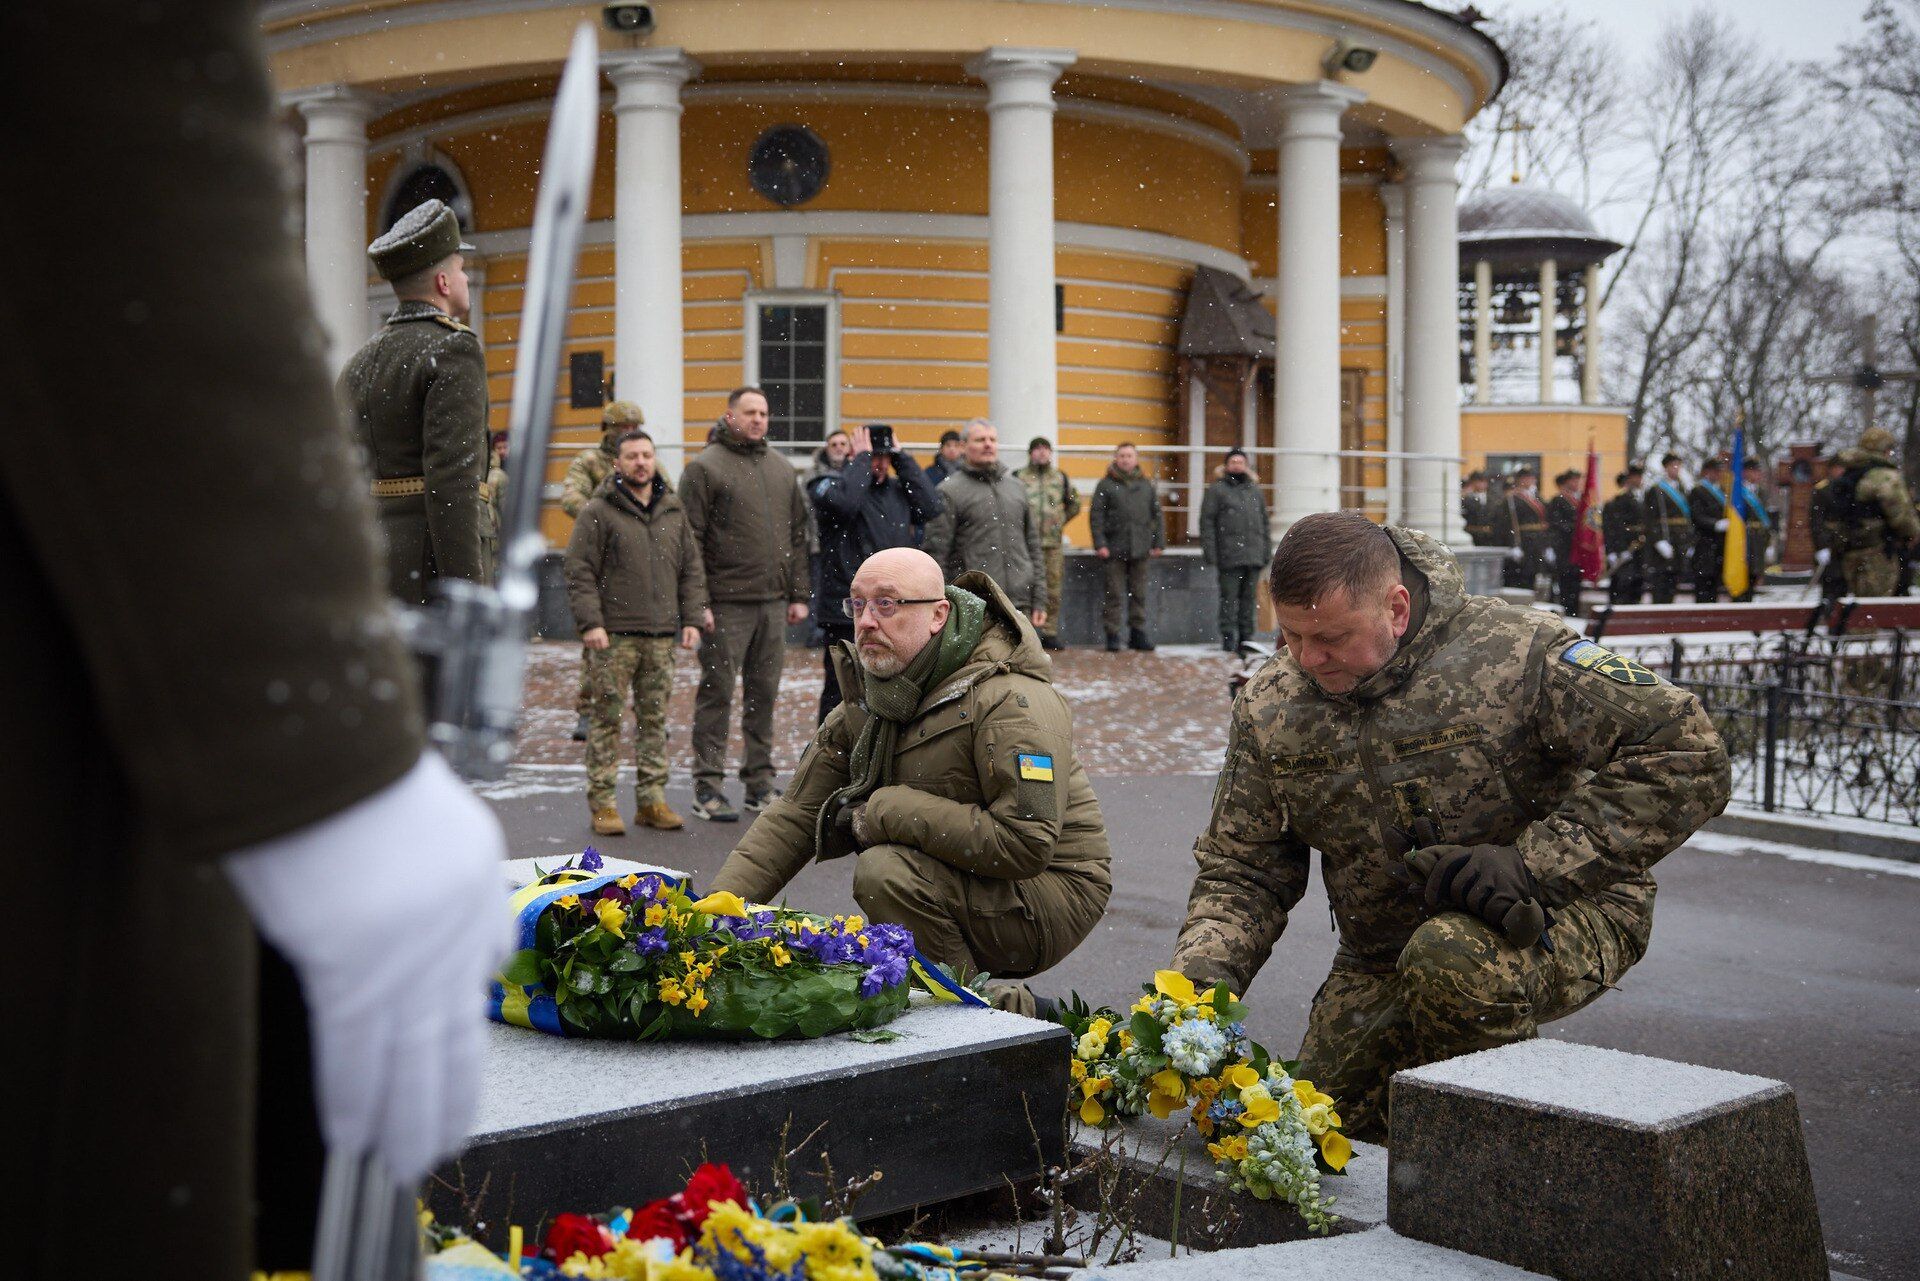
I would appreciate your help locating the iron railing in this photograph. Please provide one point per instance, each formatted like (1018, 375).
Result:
(1875, 664)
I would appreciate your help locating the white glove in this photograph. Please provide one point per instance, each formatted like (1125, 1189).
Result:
(1719, 526)
(1549, 555)
(394, 913)
(1821, 557)
(1614, 559)
(1515, 553)
(1665, 549)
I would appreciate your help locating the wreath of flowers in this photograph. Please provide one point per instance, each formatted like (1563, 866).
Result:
(1270, 1132)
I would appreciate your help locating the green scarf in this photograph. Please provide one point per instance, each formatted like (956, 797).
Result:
(891, 701)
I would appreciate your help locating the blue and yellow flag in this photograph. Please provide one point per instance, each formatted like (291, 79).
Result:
(1733, 560)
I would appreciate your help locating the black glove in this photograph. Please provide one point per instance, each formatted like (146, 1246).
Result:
(840, 837)
(1490, 881)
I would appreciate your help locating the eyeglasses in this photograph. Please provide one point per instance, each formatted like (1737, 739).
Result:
(884, 606)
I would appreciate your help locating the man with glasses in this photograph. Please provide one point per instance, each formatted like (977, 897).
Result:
(950, 776)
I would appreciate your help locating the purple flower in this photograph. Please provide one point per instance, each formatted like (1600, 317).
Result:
(889, 972)
(650, 942)
(648, 888)
(758, 926)
(590, 860)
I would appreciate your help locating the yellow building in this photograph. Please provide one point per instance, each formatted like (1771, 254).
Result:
(919, 211)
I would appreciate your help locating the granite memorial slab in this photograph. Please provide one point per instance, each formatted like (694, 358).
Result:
(954, 1100)
(1580, 1162)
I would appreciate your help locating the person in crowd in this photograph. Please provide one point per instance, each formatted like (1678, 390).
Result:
(496, 495)
(829, 458)
(1128, 533)
(1707, 504)
(749, 517)
(986, 525)
(1476, 513)
(951, 781)
(947, 460)
(1051, 495)
(1670, 531)
(588, 471)
(1758, 520)
(1520, 524)
(636, 584)
(213, 727)
(417, 393)
(1488, 793)
(1623, 530)
(1870, 516)
(1563, 525)
(880, 499)
(1235, 542)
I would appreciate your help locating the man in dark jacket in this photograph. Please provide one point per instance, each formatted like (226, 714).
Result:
(877, 501)
(1475, 513)
(1623, 528)
(1521, 527)
(1236, 541)
(1669, 531)
(1563, 525)
(635, 581)
(986, 525)
(750, 519)
(1707, 504)
(947, 461)
(1127, 533)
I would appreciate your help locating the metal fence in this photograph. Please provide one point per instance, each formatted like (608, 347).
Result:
(1876, 664)
(1810, 752)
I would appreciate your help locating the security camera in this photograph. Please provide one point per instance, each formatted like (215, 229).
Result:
(1348, 56)
(628, 19)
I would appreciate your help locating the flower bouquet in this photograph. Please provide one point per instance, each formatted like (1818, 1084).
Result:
(1270, 1133)
(636, 956)
(710, 1231)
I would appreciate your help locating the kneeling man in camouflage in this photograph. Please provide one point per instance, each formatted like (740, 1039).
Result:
(1488, 793)
(949, 774)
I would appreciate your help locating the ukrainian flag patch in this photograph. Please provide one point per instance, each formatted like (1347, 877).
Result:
(1035, 768)
(1604, 662)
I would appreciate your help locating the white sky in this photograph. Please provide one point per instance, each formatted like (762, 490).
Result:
(1793, 28)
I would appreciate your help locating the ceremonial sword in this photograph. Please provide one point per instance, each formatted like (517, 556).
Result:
(471, 639)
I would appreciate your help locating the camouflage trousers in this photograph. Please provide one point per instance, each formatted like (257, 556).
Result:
(643, 665)
(1457, 987)
(1053, 557)
(1871, 572)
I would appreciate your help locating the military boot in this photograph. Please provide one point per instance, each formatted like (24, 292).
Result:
(606, 822)
(659, 817)
(1137, 639)
(1113, 642)
(581, 724)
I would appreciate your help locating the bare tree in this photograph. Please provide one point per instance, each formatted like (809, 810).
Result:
(1562, 106)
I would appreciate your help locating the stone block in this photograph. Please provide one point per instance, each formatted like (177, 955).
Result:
(1372, 1255)
(1581, 1162)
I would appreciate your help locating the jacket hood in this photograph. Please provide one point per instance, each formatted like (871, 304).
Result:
(991, 472)
(1250, 476)
(664, 499)
(1009, 641)
(725, 435)
(1857, 457)
(610, 440)
(1439, 594)
(1128, 476)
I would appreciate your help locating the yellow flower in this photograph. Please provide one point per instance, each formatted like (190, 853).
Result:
(656, 914)
(1094, 1085)
(1308, 1095)
(628, 881)
(1336, 1149)
(1091, 1112)
(567, 900)
(1077, 1070)
(686, 960)
(1169, 1092)
(697, 1002)
(612, 916)
(722, 903)
(681, 1269)
(1175, 986)
(1318, 1118)
(1241, 1076)
(678, 918)
(856, 922)
(1202, 1123)
(781, 956)
(671, 993)
(1261, 1107)
(1126, 1039)
(1142, 1006)
(1231, 1148)
(1094, 1039)
(1204, 1088)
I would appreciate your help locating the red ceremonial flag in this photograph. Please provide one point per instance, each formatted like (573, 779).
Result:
(1589, 553)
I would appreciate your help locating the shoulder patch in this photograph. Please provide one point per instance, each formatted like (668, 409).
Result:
(1035, 767)
(1604, 662)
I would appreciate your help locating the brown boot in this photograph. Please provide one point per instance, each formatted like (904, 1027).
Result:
(658, 817)
(606, 822)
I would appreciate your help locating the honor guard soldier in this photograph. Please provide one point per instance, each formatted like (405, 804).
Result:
(1474, 511)
(1563, 522)
(417, 397)
(1670, 527)
(1521, 527)
(1488, 793)
(1623, 527)
(1707, 502)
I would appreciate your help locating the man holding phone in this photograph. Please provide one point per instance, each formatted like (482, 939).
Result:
(880, 499)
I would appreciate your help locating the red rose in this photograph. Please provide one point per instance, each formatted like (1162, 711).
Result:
(572, 1234)
(658, 1220)
(711, 1183)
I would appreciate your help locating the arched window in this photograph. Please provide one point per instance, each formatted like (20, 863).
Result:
(426, 182)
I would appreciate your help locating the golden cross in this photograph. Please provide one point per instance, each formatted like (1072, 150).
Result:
(1515, 126)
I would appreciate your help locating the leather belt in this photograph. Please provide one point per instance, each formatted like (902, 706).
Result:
(400, 487)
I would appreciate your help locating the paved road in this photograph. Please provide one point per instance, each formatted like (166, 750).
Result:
(1760, 963)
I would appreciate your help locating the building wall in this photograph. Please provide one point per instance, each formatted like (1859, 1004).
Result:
(1557, 433)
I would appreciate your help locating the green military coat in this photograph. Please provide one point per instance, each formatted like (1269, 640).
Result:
(417, 396)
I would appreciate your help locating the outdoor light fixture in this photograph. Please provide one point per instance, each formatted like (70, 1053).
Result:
(628, 19)
(1348, 56)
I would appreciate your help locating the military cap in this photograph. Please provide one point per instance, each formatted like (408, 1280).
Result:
(1567, 475)
(1525, 471)
(1877, 440)
(1475, 475)
(425, 235)
(1039, 442)
(622, 413)
(1635, 469)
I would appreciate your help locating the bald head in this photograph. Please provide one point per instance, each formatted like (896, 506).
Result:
(911, 582)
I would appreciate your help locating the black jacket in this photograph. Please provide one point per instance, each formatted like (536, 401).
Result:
(858, 518)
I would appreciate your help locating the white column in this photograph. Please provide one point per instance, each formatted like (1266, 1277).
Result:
(649, 342)
(1590, 338)
(1433, 332)
(1022, 371)
(1549, 328)
(1393, 197)
(1306, 412)
(1483, 332)
(1196, 448)
(336, 146)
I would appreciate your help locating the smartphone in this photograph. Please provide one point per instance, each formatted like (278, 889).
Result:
(882, 436)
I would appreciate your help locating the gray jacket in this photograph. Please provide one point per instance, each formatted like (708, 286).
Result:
(1233, 524)
(1126, 515)
(987, 525)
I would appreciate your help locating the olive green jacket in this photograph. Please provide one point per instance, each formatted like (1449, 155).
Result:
(961, 792)
(1497, 724)
(634, 569)
(416, 395)
(1126, 516)
(985, 524)
(750, 518)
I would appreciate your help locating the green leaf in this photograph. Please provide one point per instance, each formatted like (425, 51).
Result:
(523, 968)
(584, 979)
(875, 1035)
(626, 962)
(1146, 1031)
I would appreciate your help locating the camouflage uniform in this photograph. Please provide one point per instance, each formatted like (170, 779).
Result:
(642, 665)
(1497, 725)
(1054, 501)
(495, 494)
(1867, 532)
(585, 474)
